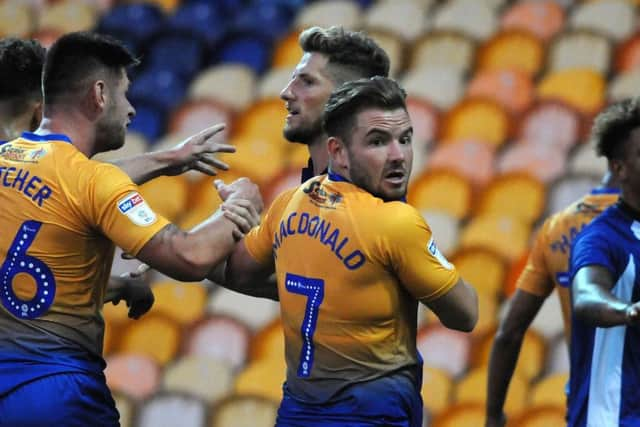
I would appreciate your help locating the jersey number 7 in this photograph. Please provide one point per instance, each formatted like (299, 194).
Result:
(18, 262)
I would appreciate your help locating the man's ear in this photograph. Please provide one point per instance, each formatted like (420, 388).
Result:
(616, 166)
(337, 152)
(98, 96)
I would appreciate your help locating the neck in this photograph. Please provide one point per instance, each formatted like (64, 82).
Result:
(319, 154)
(73, 124)
(631, 199)
(12, 126)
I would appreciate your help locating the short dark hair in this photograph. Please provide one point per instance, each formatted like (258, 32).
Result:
(351, 54)
(21, 63)
(355, 96)
(76, 56)
(612, 127)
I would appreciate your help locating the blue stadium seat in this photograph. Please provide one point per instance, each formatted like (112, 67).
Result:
(269, 19)
(180, 53)
(140, 21)
(253, 51)
(149, 121)
(203, 18)
(161, 88)
(227, 8)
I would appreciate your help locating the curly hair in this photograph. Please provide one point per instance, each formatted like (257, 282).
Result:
(21, 63)
(612, 127)
(351, 54)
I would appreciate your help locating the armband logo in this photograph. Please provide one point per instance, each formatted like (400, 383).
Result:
(137, 210)
(433, 250)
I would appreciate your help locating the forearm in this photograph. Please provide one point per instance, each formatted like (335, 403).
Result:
(114, 290)
(502, 363)
(144, 167)
(259, 288)
(598, 307)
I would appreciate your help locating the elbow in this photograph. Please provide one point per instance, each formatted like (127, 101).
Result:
(192, 268)
(468, 321)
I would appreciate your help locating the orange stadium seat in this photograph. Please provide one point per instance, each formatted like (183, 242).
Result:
(393, 44)
(443, 48)
(273, 81)
(125, 408)
(133, 375)
(287, 52)
(193, 116)
(515, 269)
(476, 19)
(437, 386)
(541, 416)
(445, 228)
(579, 49)
(263, 378)
(440, 85)
(68, 16)
(472, 388)
(135, 144)
(515, 195)
(268, 343)
(264, 119)
(287, 179)
(585, 161)
(613, 18)
(460, 415)
(405, 18)
(47, 36)
(582, 89)
(206, 378)
(444, 348)
(253, 150)
(342, 13)
(219, 337)
(470, 158)
(171, 409)
(167, 195)
(544, 18)
(624, 85)
(253, 312)
(477, 119)
(167, 6)
(551, 123)
(182, 302)
(511, 88)
(244, 411)
(16, 18)
(542, 161)
(213, 83)
(550, 390)
(296, 156)
(441, 190)
(627, 57)
(506, 235)
(512, 49)
(425, 120)
(154, 336)
(485, 269)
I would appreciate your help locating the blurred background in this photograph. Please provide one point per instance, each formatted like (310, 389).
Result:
(502, 95)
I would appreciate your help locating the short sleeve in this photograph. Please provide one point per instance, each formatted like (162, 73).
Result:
(592, 247)
(536, 277)
(259, 241)
(412, 253)
(111, 203)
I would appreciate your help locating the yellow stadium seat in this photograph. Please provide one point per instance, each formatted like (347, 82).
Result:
(440, 85)
(541, 416)
(545, 162)
(16, 18)
(551, 123)
(296, 156)
(125, 408)
(244, 411)
(544, 18)
(262, 378)
(219, 337)
(273, 81)
(624, 85)
(444, 348)
(393, 44)
(134, 144)
(171, 409)
(628, 54)
(342, 13)
(252, 150)
(193, 116)
(477, 119)
(203, 199)
(579, 49)
(213, 83)
(437, 386)
(68, 16)
(472, 159)
(207, 378)
(512, 49)
(268, 343)
(404, 18)
(264, 118)
(508, 236)
(167, 195)
(167, 5)
(486, 269)
(287, 52)
(287, 179)
(154, 336)
(461, 415)
(613, 18)
(472, 388)
(443, 48)
(515, 195)
(477, 19)
(515, 269)
(133, 375)
(550, 390)
(582, 89)
(253, 312)
(182, 302)
(116, 315)
(513, 89)
(441, 190)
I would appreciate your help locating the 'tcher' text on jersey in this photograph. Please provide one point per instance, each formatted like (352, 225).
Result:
(29, 185)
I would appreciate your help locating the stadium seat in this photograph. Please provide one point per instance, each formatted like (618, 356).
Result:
(263, 378)
(624, 85)
(249, 49)
(193, 116)
(133, 375)
(443, 48)
(513, 89)
(46, 37)
(167, 195)
(405, 18)
(180, 53)
(474, 18)
(627, 57)
(484, 268)
(252, 150)
(472, 388)
(244, 411)
(512, 49)
(161, 88)
(514, 195)
(213, 83)
(613, 18)
(441, 190)
(476, 119)
(470, 158)
(513, 273)
(579, 49)
(268, 342)
(125, 408)
(219, 337)
(444, 348)
(154, 336)
(206, 378)
(440, 85)
(393, 44)
(552, 124)
(541, 416)
(139, 20)
(557, 356)
(288, 178)
(460, 415)
(68, 16)
(582, 89)
(544, 18)
(206, 19)
(203, 199)
(16, 19)
(134, 144)
(570, 188)
(171, 409)
(445, 229)
(254, 312)
(506, 235)
(148, 121)
(270, 19)
(182, 302)
(273, 82)
(549, 322)
(550, 390)
(437, 386)
(585, 161)
(542, 161)
(263, 119)
(287, 52)
(424, 118)
(341, 13)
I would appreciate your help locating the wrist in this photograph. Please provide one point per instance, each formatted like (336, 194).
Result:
(629, 314)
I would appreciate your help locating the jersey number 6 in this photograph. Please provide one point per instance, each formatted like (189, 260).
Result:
(17, 262)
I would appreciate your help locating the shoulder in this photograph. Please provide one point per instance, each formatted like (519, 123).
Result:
(396, 217)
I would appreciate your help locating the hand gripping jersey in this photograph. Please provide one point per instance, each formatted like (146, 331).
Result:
(548, 264)
(350, 269)
(60, 214)
(604, 385)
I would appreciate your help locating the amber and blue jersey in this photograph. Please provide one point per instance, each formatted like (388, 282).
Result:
(61, 215)
(351, 269)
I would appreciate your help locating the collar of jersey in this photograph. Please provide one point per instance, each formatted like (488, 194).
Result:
(45, 138)
(339, 178)
(605, 190)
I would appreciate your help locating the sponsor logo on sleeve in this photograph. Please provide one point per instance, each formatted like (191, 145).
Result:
(433, 250)
(137, 210)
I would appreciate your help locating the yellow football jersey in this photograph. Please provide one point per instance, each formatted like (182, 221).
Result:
(548, 263)
(350, 270)
(60, 214)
